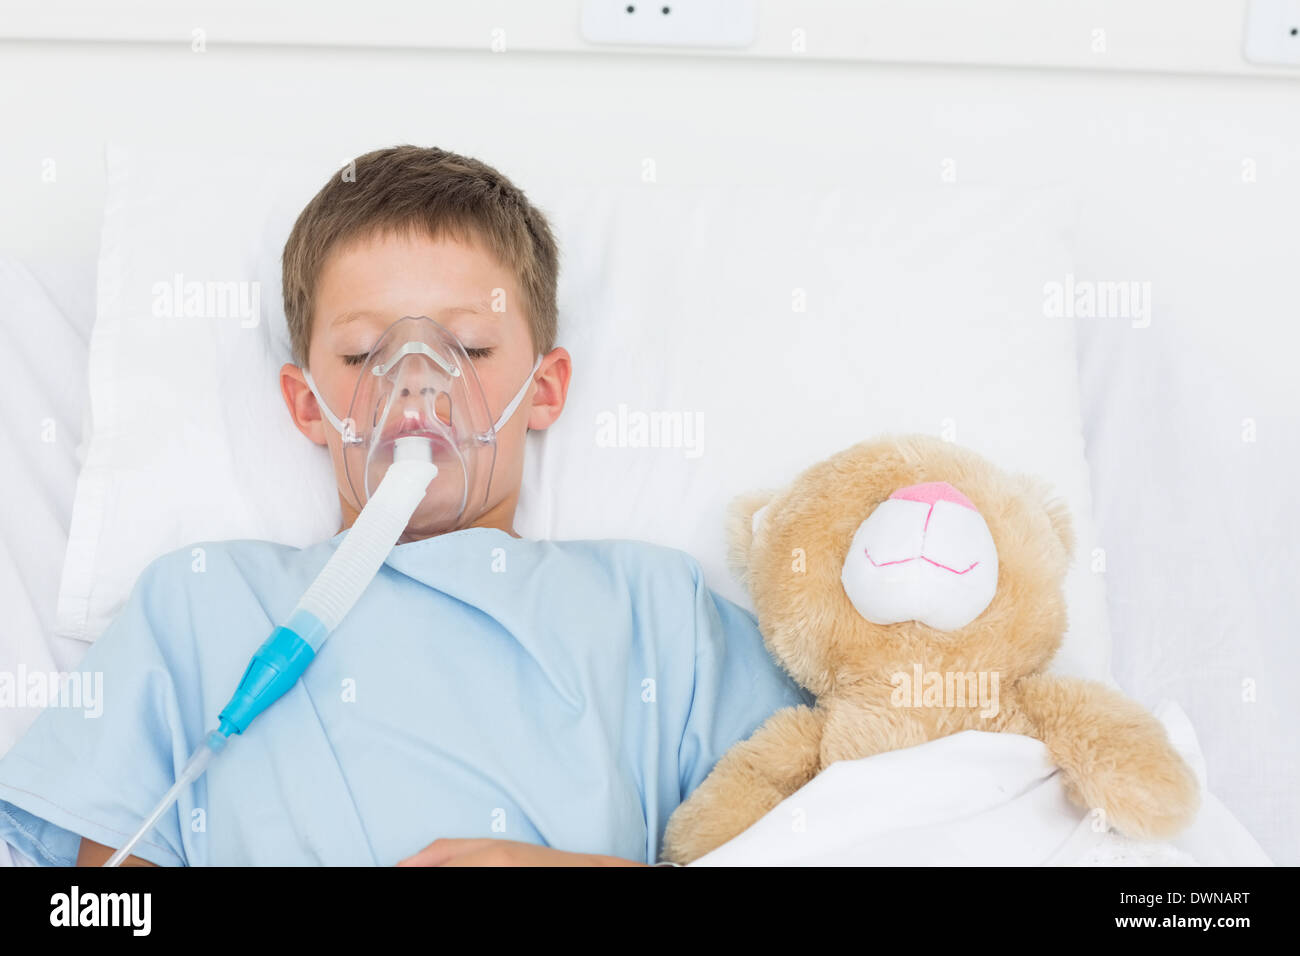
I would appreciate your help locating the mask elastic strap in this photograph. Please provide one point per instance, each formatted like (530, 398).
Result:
(519, 397)
(329, 416)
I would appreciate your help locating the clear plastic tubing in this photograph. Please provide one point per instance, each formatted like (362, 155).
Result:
(281, 660)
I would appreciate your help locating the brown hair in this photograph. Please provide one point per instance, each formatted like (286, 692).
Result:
(405, 188)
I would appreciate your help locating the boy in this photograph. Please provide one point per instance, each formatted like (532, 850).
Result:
(489, 699)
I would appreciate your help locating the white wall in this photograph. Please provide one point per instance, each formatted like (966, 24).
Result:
(1189, 36)
(1159, 158)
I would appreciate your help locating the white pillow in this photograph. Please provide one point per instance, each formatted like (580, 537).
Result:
(772, 326)
(43, 341)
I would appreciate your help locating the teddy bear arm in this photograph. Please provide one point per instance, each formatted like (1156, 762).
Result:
(749, 780)
(1116, 755)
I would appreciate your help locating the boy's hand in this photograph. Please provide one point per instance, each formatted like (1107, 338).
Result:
(489, 852)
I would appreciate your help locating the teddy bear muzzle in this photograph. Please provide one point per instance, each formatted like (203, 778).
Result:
(924, 554)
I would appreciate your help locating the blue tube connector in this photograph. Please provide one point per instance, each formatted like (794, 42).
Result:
(276, 666)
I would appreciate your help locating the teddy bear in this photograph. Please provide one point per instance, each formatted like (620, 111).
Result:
(909, 556)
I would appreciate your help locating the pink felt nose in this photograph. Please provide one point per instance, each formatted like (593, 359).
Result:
(932, 492)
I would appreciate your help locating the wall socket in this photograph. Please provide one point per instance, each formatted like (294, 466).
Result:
(702, 23)
(1273, 32)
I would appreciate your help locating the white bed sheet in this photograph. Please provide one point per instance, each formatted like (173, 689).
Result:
(973, 799)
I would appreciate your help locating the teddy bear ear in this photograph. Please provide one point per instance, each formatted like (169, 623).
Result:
(1056, 508)
(1058, 513)
(744, 520)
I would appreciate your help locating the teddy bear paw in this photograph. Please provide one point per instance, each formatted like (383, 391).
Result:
(1153, 801)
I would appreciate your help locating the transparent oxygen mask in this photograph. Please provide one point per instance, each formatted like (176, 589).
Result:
(419, 381)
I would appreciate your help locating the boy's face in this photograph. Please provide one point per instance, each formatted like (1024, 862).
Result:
(367, 285)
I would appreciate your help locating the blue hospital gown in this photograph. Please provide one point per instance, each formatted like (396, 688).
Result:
(569, 694)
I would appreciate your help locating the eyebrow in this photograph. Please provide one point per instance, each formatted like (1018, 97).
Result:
(475, 308)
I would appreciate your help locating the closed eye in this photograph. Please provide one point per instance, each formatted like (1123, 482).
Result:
(478, 353)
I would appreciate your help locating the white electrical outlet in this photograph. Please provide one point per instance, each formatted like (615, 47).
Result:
(709, 23)
(1273, 32)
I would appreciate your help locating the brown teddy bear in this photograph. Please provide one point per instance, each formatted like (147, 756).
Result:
(905, 557)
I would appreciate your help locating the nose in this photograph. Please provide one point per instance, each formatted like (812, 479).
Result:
(931, 493)
(925, 554)
(421, 392)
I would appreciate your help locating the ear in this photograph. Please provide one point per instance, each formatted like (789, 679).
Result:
(1055, 507)
(742, 527)
(552, 379)
(1058, 513)
(302, 404)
